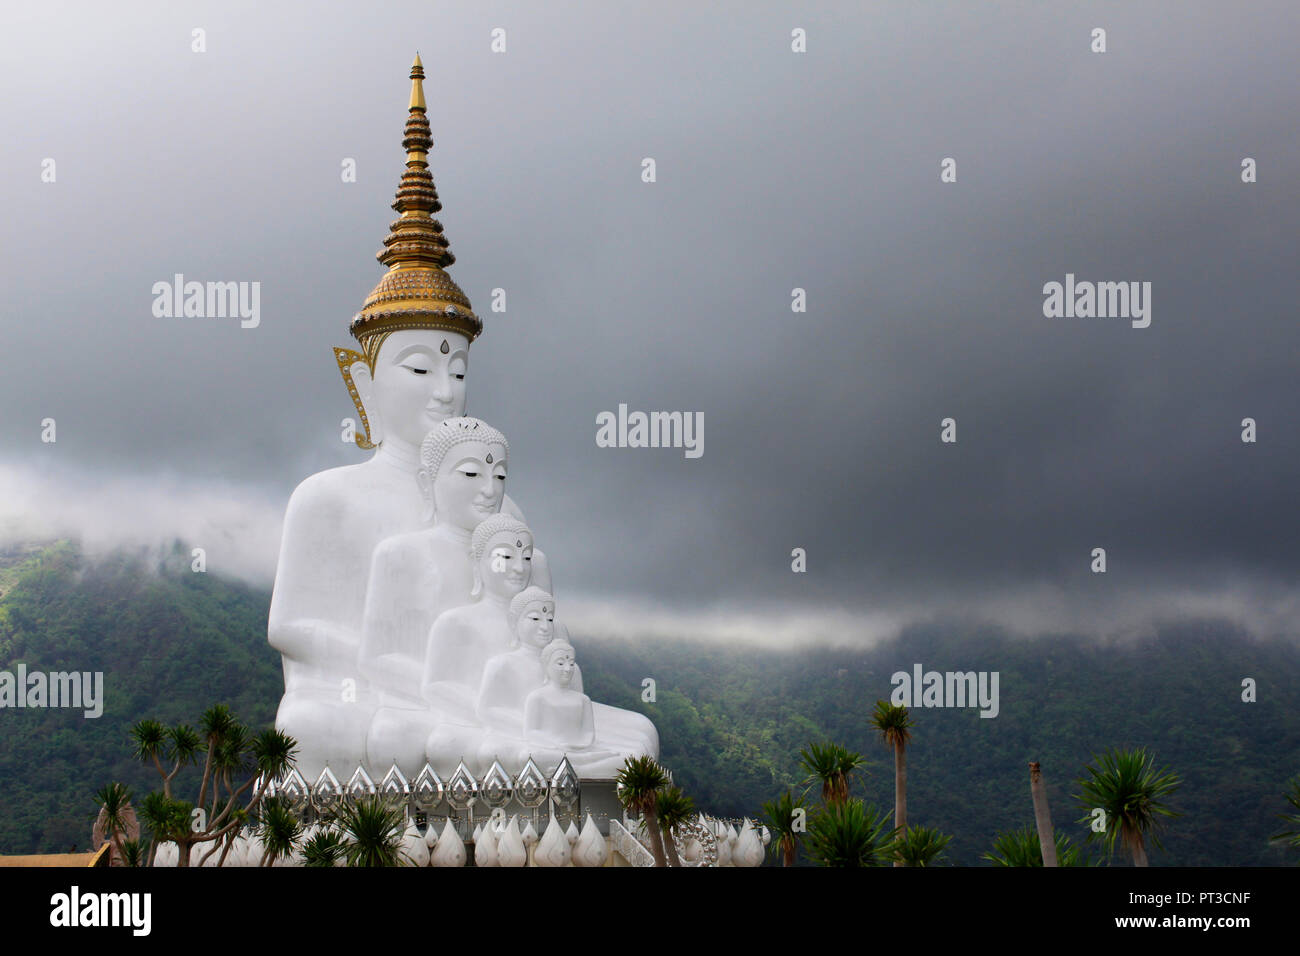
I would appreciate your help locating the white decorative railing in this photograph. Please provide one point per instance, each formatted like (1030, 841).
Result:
(628, 846)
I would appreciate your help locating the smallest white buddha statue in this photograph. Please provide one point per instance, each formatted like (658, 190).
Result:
(559, 720)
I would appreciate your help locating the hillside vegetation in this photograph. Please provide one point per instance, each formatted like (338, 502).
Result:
(732, 720)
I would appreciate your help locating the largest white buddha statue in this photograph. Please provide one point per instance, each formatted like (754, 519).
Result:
(406, 378)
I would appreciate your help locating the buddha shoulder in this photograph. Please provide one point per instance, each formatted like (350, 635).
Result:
(334, 493)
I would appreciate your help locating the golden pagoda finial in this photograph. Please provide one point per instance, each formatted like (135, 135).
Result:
(417, 84)
(416, 293)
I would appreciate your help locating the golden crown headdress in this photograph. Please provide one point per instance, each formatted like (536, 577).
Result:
(416, 292)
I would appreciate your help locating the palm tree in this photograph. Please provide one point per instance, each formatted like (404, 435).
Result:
(280, 831)
(323, 849)
(1291, 836)
(115, 814)
(1131, 793)
(849, 834)
(1021, 848)
(673, 808)
(132, 853)
(894, 724)
(372, 833)
(638, 785)
(215, 726)
(920, 846)
(165, 818)
(783, 818)
(830, 764)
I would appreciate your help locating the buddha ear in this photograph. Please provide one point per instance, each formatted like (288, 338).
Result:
(478, 581)
(425, 481)
(364, 380)
(356, 375)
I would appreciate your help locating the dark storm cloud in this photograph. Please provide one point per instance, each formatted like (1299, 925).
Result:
(775, 171)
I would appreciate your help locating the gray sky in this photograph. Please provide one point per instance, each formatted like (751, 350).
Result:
(775, 170)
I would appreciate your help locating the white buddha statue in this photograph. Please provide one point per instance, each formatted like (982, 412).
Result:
(463, 639)
(416, 576)
(559, 720)
(414, 332)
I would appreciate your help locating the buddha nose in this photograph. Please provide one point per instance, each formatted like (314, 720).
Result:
(440, 386)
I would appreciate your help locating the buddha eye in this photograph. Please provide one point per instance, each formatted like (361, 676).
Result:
(460, 377)
(418, 371)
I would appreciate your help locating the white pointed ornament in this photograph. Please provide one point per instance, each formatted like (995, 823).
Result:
(413, 845)
(590, 850)
(572, 833)
(450, 849)
(529, 835)
(748, 850)
(724, 846)
(553, 848)
(510, 848)
(431, 835)
(485, 847)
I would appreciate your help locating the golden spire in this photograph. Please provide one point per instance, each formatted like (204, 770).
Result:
(415, 293)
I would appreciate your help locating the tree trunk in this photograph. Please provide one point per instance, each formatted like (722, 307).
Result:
(1139, 850)
(787, 851)
(652, 830)
(1042, 815)
(900, 792)
(670, 847)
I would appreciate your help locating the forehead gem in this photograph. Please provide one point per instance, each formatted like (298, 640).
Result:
(518, 543)
(445, 347)
(489, 458)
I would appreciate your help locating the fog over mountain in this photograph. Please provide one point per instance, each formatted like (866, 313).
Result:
(775, 171)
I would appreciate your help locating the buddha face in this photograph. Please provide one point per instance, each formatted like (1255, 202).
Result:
(507, 564)
(418, 381)
(536, 625)
(560, 668)
(470, 484)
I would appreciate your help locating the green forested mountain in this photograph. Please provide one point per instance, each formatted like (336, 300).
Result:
(732, 720)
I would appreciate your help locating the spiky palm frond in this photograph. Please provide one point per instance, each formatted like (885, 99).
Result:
(1131, 792)
(133, 853)
(165, 818)
(673, 808)
(372, 833)
(324, 848)
(920, 846)
(279, 829)
(638, 783)
(113, 799)
(894, 723)
(184, 743)
(849, 834)
(830, 765)
(1021, 848)
(787, 824)
(274, 753)
(150, 738)
(1291, 836)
